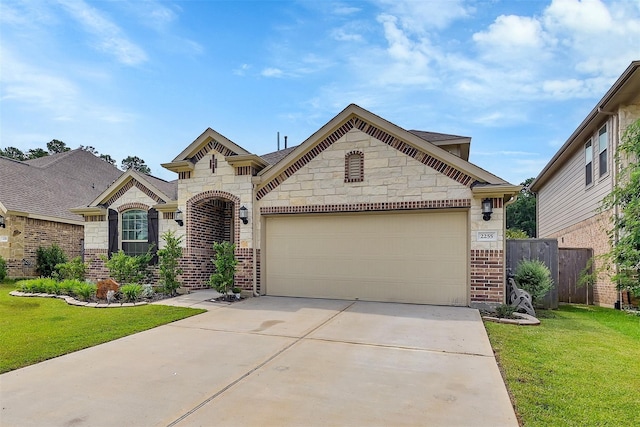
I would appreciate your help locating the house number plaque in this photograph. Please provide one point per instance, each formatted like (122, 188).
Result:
(488, 236)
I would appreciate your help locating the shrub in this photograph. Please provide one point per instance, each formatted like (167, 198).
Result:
(131, 292)
(169, 268)
(225, 263)
(505, 311)
(3, 269)
(74, 269)
(128, 269)
(48, 258)
(85, 291)
(534, 277)
(37, 286)
(147, 291)
(516, 233)
(67, 286)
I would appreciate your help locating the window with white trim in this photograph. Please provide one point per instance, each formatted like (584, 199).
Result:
(135, 232)
(588, 164)
(603, 144)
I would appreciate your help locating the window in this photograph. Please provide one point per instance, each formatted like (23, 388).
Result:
(588, 161)
(603, 143)
(354, 167)
(135, 232)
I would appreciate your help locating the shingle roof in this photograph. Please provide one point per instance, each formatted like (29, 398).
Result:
(435, 137)
(276, 156)
(51, 185)
(170, 188)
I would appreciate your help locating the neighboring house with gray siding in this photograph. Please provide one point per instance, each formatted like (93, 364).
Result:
(362, 209)
(572, 185)
(35, 198)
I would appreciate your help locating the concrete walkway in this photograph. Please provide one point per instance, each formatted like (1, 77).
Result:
(272, 361)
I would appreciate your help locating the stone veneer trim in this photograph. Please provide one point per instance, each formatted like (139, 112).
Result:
(377, 133)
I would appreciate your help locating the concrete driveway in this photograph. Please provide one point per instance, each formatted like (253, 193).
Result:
(275, 361)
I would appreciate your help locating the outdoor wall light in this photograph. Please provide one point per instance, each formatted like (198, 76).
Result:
(177, 216)
(244, 215)
(2, 224)
(487, 209)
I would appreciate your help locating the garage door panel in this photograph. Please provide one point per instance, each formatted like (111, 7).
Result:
(415, 257)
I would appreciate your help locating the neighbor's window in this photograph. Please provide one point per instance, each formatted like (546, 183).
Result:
(588, 161)
(603, 143)
(135, 232)
(354, 167)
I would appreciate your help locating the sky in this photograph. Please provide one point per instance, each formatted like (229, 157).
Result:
(146, 78)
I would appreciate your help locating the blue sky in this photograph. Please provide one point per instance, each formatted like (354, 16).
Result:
(146, 78)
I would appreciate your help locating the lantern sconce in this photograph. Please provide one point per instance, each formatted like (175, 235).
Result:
(2, 224)
(177, 216)
(487, 209)
(244, 215)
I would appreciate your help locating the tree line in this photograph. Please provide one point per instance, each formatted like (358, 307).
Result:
(56, 146)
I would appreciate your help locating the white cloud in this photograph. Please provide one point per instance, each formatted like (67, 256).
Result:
(110, 38)
(272, 72)
(587, 16)
(511, 37)
(426, 15)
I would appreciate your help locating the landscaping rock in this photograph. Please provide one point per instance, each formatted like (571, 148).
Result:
(104, 286)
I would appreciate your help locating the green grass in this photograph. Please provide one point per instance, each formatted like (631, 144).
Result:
(580, 367)
(37, 329)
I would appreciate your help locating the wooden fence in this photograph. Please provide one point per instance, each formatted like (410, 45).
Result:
(545, 250)
(571, 261)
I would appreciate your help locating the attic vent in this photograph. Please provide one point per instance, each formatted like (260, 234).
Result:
(354, 167)
(213, 163)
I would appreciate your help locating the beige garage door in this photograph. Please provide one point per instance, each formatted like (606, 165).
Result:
(396, 257)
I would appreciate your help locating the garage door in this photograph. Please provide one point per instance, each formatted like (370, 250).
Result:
(395, 257)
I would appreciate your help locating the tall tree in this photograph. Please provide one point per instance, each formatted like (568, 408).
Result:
(107, 158)
(135, 163)
(521, 214)
(13, 153)
(35, 153)
(625, 233)
(56, 146)
(90, 149)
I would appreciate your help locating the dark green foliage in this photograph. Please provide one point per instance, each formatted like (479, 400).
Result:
(225, 262)
(135, 163)
(13, 153)
(48, 258)
(85, 291)
(625, 233)
(505, 311)
(521, 214)
(128, 269)
(74, 269)
(131, 292)
(35, 153)
(56, 146)
(534, 277)
(3, 269)
(168, 260)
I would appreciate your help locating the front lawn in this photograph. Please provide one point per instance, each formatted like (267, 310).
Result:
(37, 329)
(580, 367)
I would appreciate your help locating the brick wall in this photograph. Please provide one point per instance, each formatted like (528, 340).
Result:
(28, 234)
(487, 276)
(592, 233)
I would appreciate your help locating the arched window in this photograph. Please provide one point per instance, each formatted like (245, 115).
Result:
(135, 232)
(354, 167)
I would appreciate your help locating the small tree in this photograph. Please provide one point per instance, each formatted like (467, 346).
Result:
(128, 269)
(521, 214)
(48, 258)
(225, 262)
(534, 277)
(625, 233)
(168, 260)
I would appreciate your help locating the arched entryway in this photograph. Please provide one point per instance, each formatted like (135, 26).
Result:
(212, 216)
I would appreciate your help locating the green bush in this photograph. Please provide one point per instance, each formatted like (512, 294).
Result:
(67, 286)
(516, 233)
(74, 269)
(48, 258)
(225, 263)
(505, 311)
(168, 258)
(3, 269)
(37, 286)
(85, 291)
(128, 269)
(534, 277)
(131, 292)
